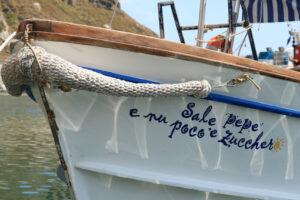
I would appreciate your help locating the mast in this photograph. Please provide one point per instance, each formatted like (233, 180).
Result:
(236, 15)
(201, 22)
(233, 17)
(230, 23)
(250, 35)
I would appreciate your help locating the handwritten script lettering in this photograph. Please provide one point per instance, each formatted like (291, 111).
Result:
(234, 131)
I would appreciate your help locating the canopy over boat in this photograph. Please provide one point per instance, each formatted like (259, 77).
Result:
(267, 11)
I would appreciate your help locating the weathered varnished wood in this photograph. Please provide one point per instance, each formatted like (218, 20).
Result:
(81, 34)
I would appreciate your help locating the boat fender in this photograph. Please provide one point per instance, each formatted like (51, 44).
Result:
(61, 174)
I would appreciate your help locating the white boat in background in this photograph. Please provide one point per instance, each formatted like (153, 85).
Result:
(237, 143)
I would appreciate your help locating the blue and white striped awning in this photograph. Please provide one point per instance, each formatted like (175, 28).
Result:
(266, 11)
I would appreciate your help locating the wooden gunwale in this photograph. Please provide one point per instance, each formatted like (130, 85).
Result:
(81, 34)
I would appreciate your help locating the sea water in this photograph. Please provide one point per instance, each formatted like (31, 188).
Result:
(28, 158)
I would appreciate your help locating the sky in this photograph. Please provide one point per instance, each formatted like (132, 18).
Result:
(145, 12)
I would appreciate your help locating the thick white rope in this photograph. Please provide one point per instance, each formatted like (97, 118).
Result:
(22, 69)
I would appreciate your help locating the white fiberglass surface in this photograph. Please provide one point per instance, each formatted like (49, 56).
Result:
(169, 70)
(176, 145)
(180, 142)
(115, 187)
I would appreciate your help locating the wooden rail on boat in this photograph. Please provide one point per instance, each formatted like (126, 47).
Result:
(82, 34)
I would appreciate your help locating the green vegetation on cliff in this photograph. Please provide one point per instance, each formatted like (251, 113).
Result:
(12, 12)
(86, 13)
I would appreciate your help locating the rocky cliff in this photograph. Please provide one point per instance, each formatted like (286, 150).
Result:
(89, 12)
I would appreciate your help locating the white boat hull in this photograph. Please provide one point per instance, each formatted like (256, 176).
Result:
(175, 147)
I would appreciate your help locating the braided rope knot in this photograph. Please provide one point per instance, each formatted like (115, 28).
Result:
(21, 69)
(17, 71)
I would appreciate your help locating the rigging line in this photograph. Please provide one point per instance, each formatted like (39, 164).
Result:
(113, 16)
(236, 49)
(242, 44)
(233, 35)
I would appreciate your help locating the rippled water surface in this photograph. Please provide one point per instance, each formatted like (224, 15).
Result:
(28, 158)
